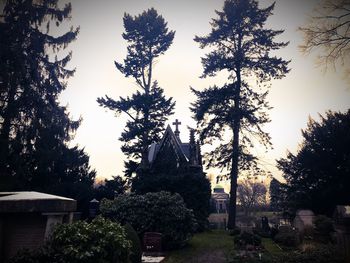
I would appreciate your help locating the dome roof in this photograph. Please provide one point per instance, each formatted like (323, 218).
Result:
(219, 189)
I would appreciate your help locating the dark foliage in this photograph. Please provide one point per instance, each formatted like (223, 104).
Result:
(110, 188)
(192, 185)
(288, 237)
(323, 228)
(247, 238)
(153, 212)
(318, 175)
(148, 38)
(34, 129)
(241, 45)
(277, 195)
(136, 248)
(97, 242)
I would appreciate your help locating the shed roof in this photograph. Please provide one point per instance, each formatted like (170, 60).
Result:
(28, 201)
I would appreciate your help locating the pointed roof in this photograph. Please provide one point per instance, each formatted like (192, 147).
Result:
(180, 148)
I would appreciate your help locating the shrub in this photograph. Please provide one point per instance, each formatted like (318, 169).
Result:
(273, 231)
(136, 248)
(97, 242)
(246, 238)
(193, 186)
(287, 237)
(323, 228)
(234, 232)
(308, 232)
(153, 212)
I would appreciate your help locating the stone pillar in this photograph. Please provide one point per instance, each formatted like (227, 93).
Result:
(52, 220)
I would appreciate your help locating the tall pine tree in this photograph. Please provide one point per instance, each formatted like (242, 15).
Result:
(240, 45)
(34, 128)
(148, 37)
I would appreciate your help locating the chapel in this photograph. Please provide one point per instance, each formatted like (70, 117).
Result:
(172, 154)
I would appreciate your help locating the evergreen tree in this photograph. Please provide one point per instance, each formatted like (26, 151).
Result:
(241, 46)
(34, 128)
(277, 195)
(148, 109)
(318, 175)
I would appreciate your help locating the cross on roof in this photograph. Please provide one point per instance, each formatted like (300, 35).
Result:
(177, 123)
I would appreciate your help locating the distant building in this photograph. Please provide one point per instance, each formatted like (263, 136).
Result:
(219, 207)
(27, 218)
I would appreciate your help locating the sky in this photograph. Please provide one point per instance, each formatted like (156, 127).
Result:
(306, 91)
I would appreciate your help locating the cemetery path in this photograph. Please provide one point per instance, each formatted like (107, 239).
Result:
(207, 247)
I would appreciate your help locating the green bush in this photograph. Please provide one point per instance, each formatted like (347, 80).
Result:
(323, 228)
(136, 248)
(153, 212)
(287, 237)
(193, 186)
(100, 241)
(246, 238)
(234, 232)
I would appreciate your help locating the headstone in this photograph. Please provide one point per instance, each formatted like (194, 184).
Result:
(303, 219)
(342, 228)
(152, 242)
(94, 207)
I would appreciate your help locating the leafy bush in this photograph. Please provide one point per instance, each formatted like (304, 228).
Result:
(97, 242)
(287, 237)
(246, 238)
(308, 232)
(136, 248)
(153, 212)
(193, 186)
(234, 232)
(323, 228)
(274, 231)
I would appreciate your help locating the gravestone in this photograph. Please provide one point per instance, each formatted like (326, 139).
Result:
(342, 228)
(94, 206)
(303, 219)
(152, 242)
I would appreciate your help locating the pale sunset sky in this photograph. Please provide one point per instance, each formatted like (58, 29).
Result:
(306, 91)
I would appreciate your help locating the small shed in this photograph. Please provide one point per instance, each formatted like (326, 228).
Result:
(303, 218)
(27, 218)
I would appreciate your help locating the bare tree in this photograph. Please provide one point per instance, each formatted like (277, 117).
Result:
(329, 30)
(250, 194)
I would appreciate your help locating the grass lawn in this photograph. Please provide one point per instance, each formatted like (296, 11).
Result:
(208, 247)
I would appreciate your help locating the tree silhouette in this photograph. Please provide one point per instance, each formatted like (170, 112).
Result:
(251, 194)
(277, 195)
(148, 38)
(240, 45)
(318, 175)
(34, 128)
(329, 31)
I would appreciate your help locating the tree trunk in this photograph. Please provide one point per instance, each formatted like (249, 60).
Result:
(231, 224)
